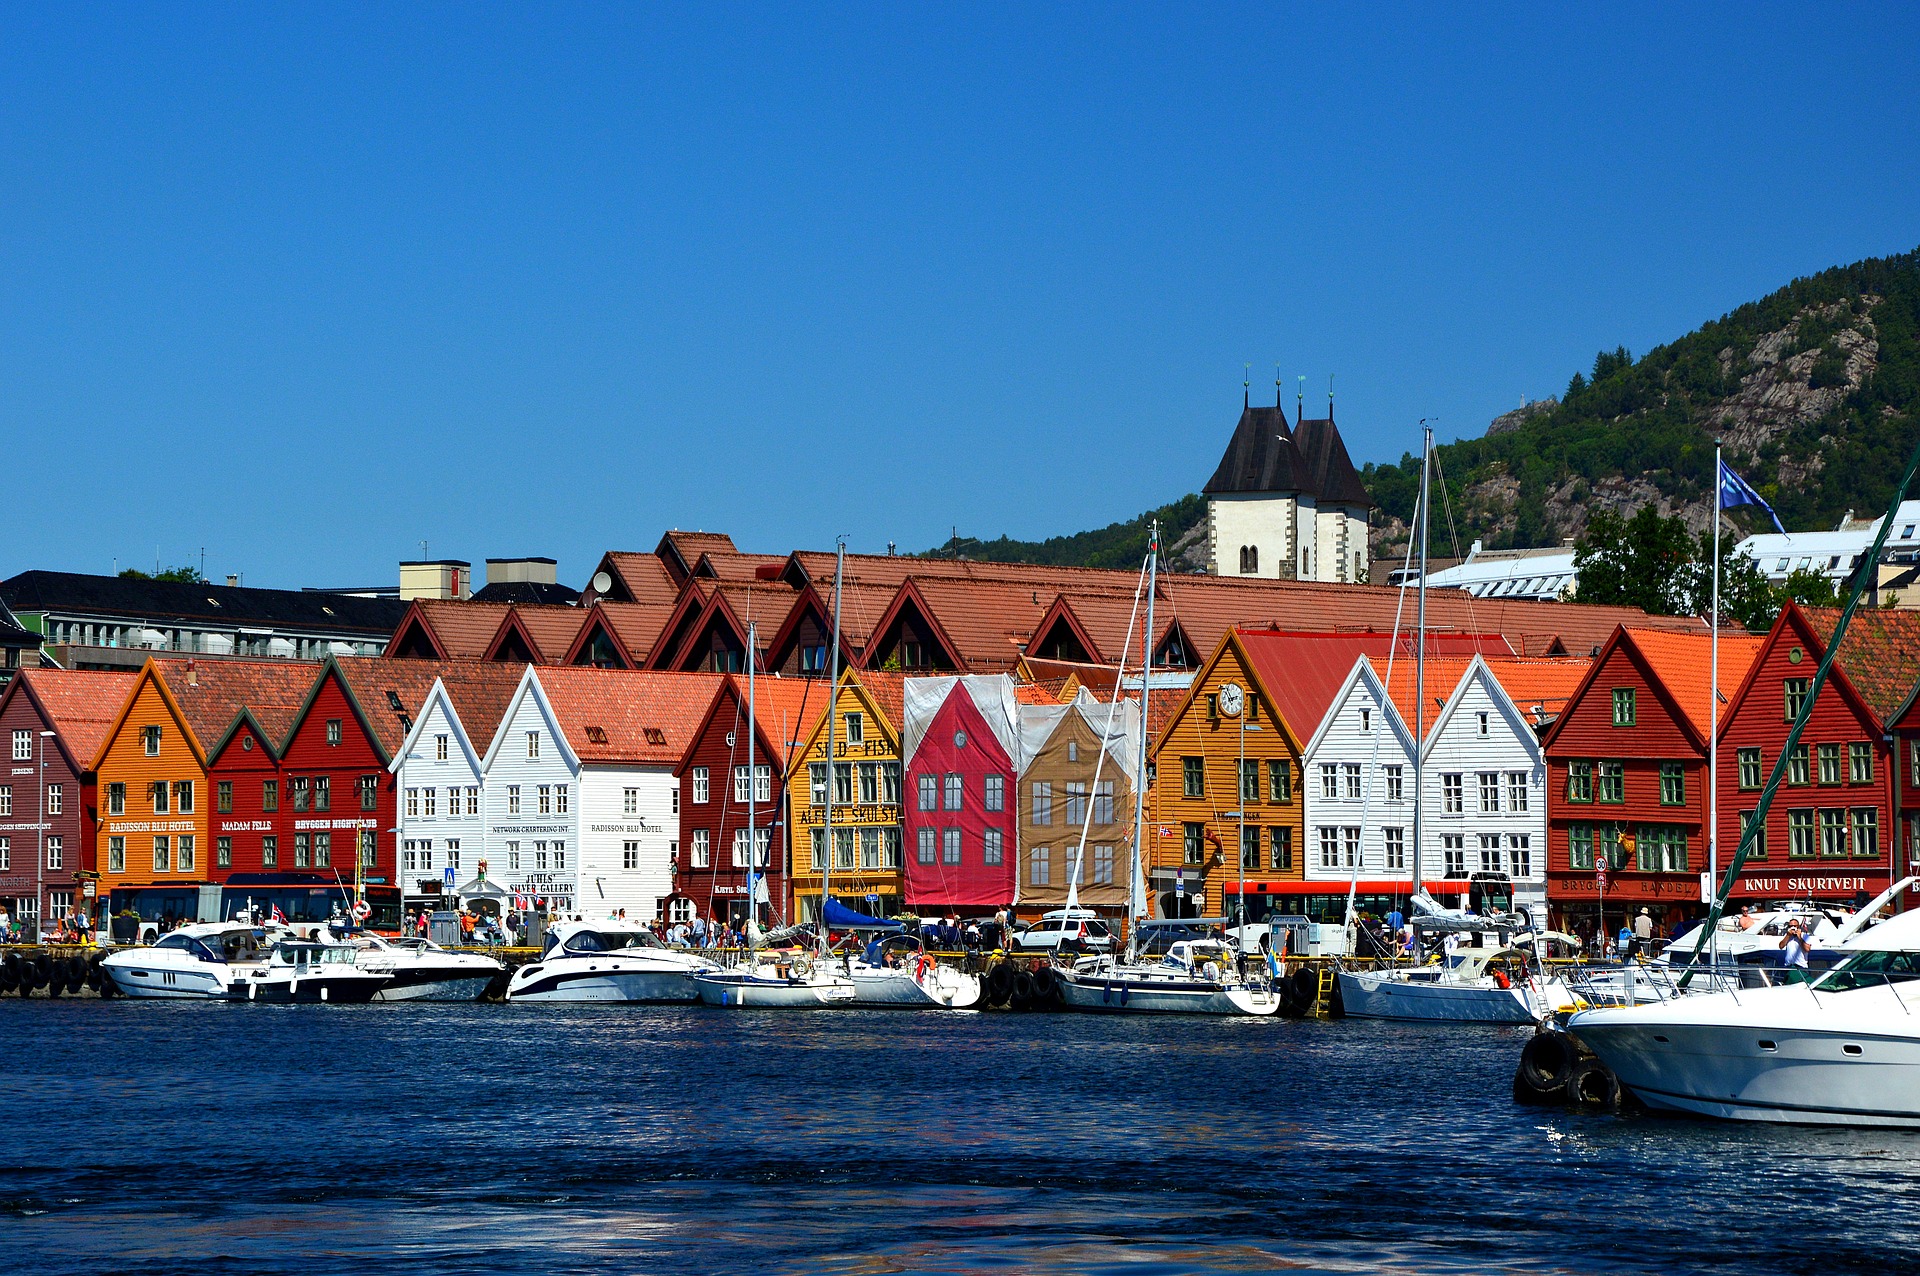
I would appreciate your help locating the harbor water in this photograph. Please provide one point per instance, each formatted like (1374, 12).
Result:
(505, 1139)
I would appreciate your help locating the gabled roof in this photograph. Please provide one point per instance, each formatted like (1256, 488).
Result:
(1328, 469)
(786, 709)
(1683, 663)
(635, 578)
(390, 695)
(1362, 676)
(527, 593)
(79, 706)
(552, 629)
(453, 628)
(887, 692)
(639, 716)
(681, 551)
(987, 623)
(1302, 672)
(1881, 654)
(1260, 457)
(211, 695)
(1527, 682)
(809, 601)
(477, 692)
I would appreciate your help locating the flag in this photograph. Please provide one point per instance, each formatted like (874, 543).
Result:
(279, 916)
(1735, 490)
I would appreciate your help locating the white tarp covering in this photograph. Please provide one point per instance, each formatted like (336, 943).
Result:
(1119, 725)
(992, 695)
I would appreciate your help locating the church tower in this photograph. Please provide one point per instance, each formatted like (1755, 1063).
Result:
(1286, 502)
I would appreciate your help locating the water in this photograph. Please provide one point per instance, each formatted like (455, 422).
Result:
(506, 1139)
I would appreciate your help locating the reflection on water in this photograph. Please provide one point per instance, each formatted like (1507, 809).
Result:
(604, 1138)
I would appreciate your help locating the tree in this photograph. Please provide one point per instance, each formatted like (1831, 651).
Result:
(1809, 588)
(189, 575)
(1646, 561)
(1746, 596)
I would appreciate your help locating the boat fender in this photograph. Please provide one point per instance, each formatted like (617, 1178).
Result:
(1547, 1062)
(1215, 971)
(1592, 1085)
(362, 910)
(1046, 984)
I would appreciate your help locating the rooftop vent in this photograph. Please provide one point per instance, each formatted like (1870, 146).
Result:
(597, 735)
(655, 735)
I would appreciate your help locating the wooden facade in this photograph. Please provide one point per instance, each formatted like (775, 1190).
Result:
(959, 824)
(152, 773)
(866, 869)
(337, 796)
(1066, 786)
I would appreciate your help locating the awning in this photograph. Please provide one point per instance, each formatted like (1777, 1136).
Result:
(837, 914)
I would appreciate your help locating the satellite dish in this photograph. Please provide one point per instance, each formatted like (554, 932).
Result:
(602, 582)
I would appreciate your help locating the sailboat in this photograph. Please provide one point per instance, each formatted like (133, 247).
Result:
(782, 981)
(1194, 976)
(1482, 983)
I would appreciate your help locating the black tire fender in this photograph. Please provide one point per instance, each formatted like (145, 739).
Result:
(1592, 1085)
(1547, 1061)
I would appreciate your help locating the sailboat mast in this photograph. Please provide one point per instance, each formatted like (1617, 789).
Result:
(753, 910)
(1420, 667)
(833, 697)
(1136, 901)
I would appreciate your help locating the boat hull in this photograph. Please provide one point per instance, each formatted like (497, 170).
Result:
(1120, 995)
(337, 990)
(601, 981)
(434, 986)
(135, 979)
(941, 988)
(1371, 996)
(767, 993)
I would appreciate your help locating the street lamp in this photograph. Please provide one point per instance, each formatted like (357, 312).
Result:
(40, 859)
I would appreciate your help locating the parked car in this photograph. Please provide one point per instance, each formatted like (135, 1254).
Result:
(1078, 929)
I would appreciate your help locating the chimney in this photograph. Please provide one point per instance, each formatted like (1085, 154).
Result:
(510, 571)
(436, 578)
(233, 581)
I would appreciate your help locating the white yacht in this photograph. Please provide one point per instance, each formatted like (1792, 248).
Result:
(1744, 934)
(1482, 985)
(307, 970)
(898, 972)
(1843, 1049)
(601, 961)
(198, 962)
(776, 981)
(419, 970)
(1194, 977)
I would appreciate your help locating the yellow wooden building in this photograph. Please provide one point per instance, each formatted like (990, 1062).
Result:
(866, 866)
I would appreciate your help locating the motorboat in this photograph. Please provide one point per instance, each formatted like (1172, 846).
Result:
(594, 961)
(1194, 977)
(897, 971)
(310, 970)
(783, 981)
(419, 970)
(196, 962)
(1839, 1048)
(1746, 936)
(1494, 984)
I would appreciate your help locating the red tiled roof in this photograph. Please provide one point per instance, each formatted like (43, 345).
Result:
(211, 693)
(1880, 653)
(465, 629)
(628, 715)
(552, 628)
(477, 682)
(82, 705)
(637, 626)
(1302, 672)
(645, 577)
(1527, 682)
(987, 622)
(1683, 662)
(787, 709)
(888, 693)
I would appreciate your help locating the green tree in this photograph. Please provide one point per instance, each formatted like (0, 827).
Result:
(1808, 588)
(1746, 596)
(189, 575)
(1645, 561)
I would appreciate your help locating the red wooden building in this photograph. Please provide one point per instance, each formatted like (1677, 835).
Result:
(52, 812)
(710, 861)
(1626, 779)
(959, 817)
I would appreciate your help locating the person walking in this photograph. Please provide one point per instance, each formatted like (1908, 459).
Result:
(1642, 930)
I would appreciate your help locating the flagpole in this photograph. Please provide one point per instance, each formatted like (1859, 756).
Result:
(1713, 710)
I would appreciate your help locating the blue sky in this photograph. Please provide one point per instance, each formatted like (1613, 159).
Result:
(306, 285)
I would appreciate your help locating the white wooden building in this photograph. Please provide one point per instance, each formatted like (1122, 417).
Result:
(438, 774)
(1357, 782)
(530, 803)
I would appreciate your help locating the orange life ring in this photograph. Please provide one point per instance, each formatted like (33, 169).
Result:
(362, 910)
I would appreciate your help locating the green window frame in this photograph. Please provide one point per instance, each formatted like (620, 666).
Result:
(1829, 755)
(1673, 784)
(1580, 782)
(1860, 763)
(1606, 842)
(1866, 832)
(1757, 849)
(1800, 833)
(1833, 833)
(1750, 765)
(1279, 780)
(1799, 770)
(1610, 782)
(1623, 706)
(1794, 695)
(1580, 846)
(1193, 777)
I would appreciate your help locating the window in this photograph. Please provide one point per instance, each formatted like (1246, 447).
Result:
(23, 744)
(1250, 846)
(929, 787)
(1073, 750)
(1249, 780)
(1580, 846)
(1103, 864)
(1042, 802)
(1520, 846)
(1040, 866)
(1396, 846)
(440, 748)
(162, 855)
(56, 799)
(817, 783)
(223, 852)
(1489, 792)
(116, 855)
(629, 855)
(890, 783)
(1622, 706)
(1103, 801)
(322, 793)
(1749, 768)
(817, 841)
(700, 786)
(702, 849)
(159, 793)
(843, 783)
(1279, 780)
(924, 851)
(890, 846)
(432, 802)
(6, 854)
(270, 795)
(1453, 851)
(56, 852)
(994, 795)
(116, 799)
(1350, 776)
(1280, 849)
(950, 846)
(1860, 763)
(1329, 846)
(1913, 763)
(1829, 755)
(1453, 793)
(1612, 786)
(473, 800)
(1329, 780)
(843, 848)
(1800, 833)
(270, 852)
(1833, 834)
(1579, 781)
(1193, 777)
(1482, 725)
(1795, 694)
(856, 729)
(742, 784)
(539, 857)
(1350, 843)
(149, 742)
(630, 801)
(513, 799)
(762, 785)
(1366, 722)
(1076, 804)
(333, 731)
(533, 744)
(993, 848)
(369, 852)
(1866, 833)
(1757, 847)
(1193, 843)
(413, 803)
(1673, 784)
(223, 797)
(302, 794)
(952, 789)
(870, 847)
(323, 850)
(1213, 707)
(1396, 789)
(370, 794)
(1490, 853)
(1249, 560)
(1661, 848)
(1798, 772)
(543, 796)
(1517, 791)
(740, 851)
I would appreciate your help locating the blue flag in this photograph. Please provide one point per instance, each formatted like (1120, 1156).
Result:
(1735, 490)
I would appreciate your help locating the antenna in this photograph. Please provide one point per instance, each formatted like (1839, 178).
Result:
(423, 551)
(1299, 398)
(1246, 386)
(1276, 385)
(1329, 396)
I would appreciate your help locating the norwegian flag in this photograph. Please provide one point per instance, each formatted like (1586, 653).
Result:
(278, 916)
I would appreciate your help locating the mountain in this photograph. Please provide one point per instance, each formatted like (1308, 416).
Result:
(1814, 390)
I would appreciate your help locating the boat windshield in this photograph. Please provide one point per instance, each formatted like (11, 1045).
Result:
(1870, 970)
(607, 941)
